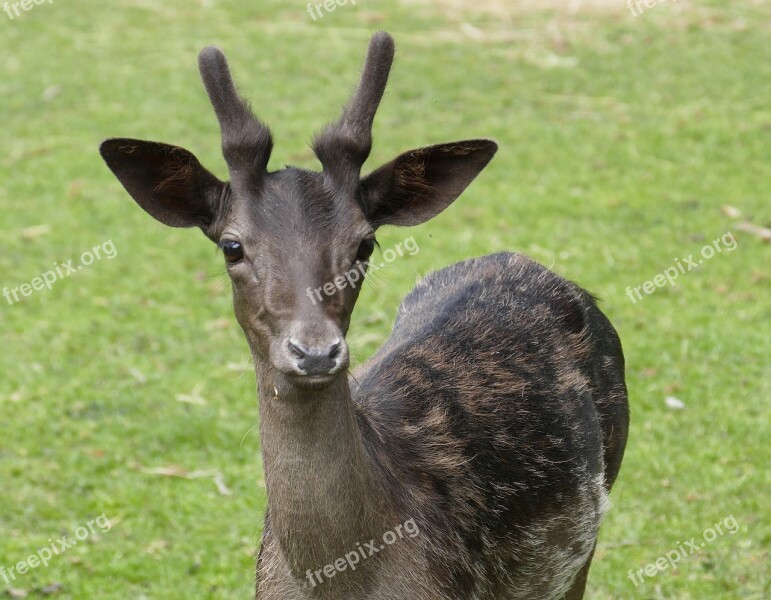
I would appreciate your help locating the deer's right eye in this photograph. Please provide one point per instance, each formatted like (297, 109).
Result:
(232, 250)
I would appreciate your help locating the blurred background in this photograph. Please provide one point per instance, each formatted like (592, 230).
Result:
(632, 135)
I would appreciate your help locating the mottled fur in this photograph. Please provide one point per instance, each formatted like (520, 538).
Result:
(506, 442)
(494, 418)
(482, 418)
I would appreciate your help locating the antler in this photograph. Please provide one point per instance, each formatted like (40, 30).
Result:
(246, 141)
(343, 146)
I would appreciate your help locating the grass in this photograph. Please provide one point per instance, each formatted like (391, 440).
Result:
(621, 139)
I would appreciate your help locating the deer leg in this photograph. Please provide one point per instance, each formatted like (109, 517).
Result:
(576, 592)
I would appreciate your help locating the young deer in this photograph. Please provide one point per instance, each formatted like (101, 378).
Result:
(491, 424)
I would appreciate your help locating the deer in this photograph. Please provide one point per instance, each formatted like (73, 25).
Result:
(472, 457)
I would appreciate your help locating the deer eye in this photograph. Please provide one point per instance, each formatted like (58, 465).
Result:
(232, 250)
(365, 249)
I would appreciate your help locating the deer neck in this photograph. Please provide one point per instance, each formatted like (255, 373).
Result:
(321, 493)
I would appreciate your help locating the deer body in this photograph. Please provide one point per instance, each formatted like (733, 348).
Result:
(472, 457)
(481, 408)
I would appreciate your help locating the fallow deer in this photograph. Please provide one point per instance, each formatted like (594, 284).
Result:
(494, 418)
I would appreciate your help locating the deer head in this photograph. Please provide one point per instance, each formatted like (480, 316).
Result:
(283, 233)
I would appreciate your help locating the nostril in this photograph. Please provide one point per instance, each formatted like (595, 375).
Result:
(297, 350)
(315, 360)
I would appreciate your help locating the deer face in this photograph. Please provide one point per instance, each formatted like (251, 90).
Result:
(296, 255)
(296, 243)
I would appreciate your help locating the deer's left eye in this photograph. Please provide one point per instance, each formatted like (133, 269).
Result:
(365, 249)
(232, 250)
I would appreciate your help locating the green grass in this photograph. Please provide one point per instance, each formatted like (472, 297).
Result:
(621, 139)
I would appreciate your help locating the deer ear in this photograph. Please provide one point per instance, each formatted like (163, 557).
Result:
(419, 184)
(167, 181)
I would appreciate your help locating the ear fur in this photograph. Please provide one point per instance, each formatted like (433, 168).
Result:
(421, 183)
(166, 181)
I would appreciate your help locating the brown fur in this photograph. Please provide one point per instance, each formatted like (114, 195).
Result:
(493, 419)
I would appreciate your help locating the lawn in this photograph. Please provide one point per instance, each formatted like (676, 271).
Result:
(627, 144)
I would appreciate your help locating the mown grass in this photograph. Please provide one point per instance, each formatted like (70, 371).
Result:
(621, 139)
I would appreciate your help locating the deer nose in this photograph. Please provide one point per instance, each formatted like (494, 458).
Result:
(315, 361)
